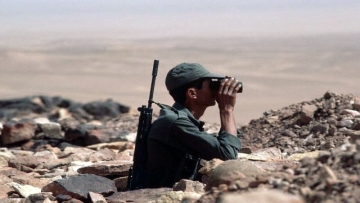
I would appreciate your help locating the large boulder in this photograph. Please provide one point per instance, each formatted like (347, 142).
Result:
(307, 114)
(138, 196)
(109, 108)
(16, 131)
(232, 170)
(260, 196)
(78, 187)
(108, 168)
(356, 104)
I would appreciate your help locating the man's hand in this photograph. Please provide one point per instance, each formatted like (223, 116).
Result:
(226, 99)
(226, 96)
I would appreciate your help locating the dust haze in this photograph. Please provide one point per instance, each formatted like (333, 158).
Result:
(275, 71)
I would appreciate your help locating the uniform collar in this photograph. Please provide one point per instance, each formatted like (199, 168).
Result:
(182, 108)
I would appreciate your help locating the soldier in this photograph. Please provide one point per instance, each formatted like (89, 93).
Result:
(177, 140)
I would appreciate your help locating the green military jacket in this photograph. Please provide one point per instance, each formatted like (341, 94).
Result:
(177, 142)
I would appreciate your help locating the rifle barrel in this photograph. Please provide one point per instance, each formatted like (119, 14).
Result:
(154, 74)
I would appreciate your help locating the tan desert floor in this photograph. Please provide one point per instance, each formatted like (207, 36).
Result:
(275, 72)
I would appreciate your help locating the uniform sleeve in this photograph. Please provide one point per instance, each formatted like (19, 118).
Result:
(187, 137)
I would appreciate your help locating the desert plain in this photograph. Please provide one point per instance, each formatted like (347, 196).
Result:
(275, 71)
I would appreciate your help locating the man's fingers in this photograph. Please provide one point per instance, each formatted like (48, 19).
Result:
(233, 86)
(229, 86)
(222, 86)
(238, 86)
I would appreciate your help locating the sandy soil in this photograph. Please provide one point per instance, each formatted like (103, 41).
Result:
(275, 72)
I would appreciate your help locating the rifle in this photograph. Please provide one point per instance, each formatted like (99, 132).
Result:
(137, 177)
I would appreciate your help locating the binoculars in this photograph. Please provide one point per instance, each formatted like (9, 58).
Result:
(215, 85)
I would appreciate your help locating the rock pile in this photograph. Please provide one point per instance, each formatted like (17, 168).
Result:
(43, 154)
(329, 177)
(320, 124)
(322, 136)
(52, 120)
(57, 150)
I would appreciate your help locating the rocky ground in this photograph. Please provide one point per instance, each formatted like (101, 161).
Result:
(57, 150)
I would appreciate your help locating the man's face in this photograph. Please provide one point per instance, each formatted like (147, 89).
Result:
(206, 96)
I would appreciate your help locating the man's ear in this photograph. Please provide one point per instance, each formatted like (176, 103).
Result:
(191, 93)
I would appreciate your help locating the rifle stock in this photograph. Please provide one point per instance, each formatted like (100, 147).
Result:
(137, 177)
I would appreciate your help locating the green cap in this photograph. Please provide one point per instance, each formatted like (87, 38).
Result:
(185, 73)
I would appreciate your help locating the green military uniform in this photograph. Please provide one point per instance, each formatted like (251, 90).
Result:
(177, 142)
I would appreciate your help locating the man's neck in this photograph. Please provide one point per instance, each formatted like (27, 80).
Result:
(195, 110)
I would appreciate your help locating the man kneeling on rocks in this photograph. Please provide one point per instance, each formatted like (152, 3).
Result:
(177, 140)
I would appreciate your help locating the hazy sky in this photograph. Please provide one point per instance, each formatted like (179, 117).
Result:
(176, 18)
